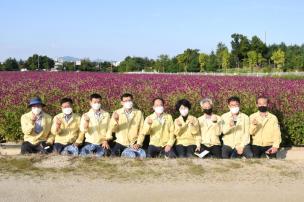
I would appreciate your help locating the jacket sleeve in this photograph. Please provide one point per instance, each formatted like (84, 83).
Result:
(195, 130)
(246, 136)
(178, 129)
(171, 132)
(27, 126)
(82, 122)
(226, 128)
(276, 134)
(141, 136)
(145, 131)
(54, 132)
(112, 128)
(252, 128)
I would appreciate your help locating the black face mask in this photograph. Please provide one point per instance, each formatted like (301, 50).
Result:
(263, 108)
(208, 111)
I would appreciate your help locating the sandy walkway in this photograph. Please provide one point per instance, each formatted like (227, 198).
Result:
(55, 178)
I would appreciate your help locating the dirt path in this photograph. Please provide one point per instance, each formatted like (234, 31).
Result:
(60, 178)
(98, 190)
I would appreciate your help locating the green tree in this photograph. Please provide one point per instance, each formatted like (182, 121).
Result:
(10, 64)
(39, 62)
(258, 45)
(225, 62)
(278, 58)
(223, 56)
(203, 59)
(212, 62)
(240, 46)
(174, 66)
(135, 64)
(252, 59)
(86, 65)
(162, 63)
(189, 60)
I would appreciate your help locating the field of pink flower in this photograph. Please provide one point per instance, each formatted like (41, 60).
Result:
(286, 96)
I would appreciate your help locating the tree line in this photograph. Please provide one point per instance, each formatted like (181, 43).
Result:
(250, 54)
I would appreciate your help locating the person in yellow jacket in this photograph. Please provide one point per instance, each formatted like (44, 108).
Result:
(65, 130)
(94, 126)
(126, 123)
(235, 128)
(264, 130)
(36, 127)
(186, 132)
(160, 127)
(210, 129)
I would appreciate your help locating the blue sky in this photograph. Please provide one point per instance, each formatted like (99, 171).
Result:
(114, 29)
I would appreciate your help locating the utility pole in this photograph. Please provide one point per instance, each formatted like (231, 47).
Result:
(265, 39)
(38, 61)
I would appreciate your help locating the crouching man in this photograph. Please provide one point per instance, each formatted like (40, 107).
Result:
(126, 123)
(160, 127)
(265, 131)
(235, 128)
(65, 130)
(36, 127)
(94, 125)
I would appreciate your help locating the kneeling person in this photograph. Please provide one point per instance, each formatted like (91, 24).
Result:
(160, 127)
(186, 131)
(235, 128)
(264, 130)
(210, 130)
(94, 125)
(36, 127)
(126, 123)
(65, 130)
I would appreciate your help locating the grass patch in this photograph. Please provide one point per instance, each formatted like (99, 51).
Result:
(195, 169)
(119, 169)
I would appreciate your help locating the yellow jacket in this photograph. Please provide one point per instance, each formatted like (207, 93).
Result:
(266, 132)
(68, 133)
(187, 134)
(126, 131)
(97, 130)
(210, 131)
(161, 132)
(236, 136)
(27, 127)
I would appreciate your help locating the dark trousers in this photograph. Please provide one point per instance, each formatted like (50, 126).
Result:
(215, 151)
(117, 149)
(57, 147)
(106, 151)
(29, 148)
(228, 152)
(184, 151)
(154, 151)
(259, 151)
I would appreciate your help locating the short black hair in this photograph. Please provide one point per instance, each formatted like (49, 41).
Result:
(66, 99)
(159, 98)
(96, 96)
(262, 97)
(126, 95)
(183, 102)
(234, 98)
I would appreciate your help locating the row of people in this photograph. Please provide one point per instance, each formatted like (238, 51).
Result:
(233, 134)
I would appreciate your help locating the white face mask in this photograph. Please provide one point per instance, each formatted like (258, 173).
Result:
(128, 105)
(159, 110)
(36, 110)
(96, 106)
(234, 110)
(184, 112)
(67, 111)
